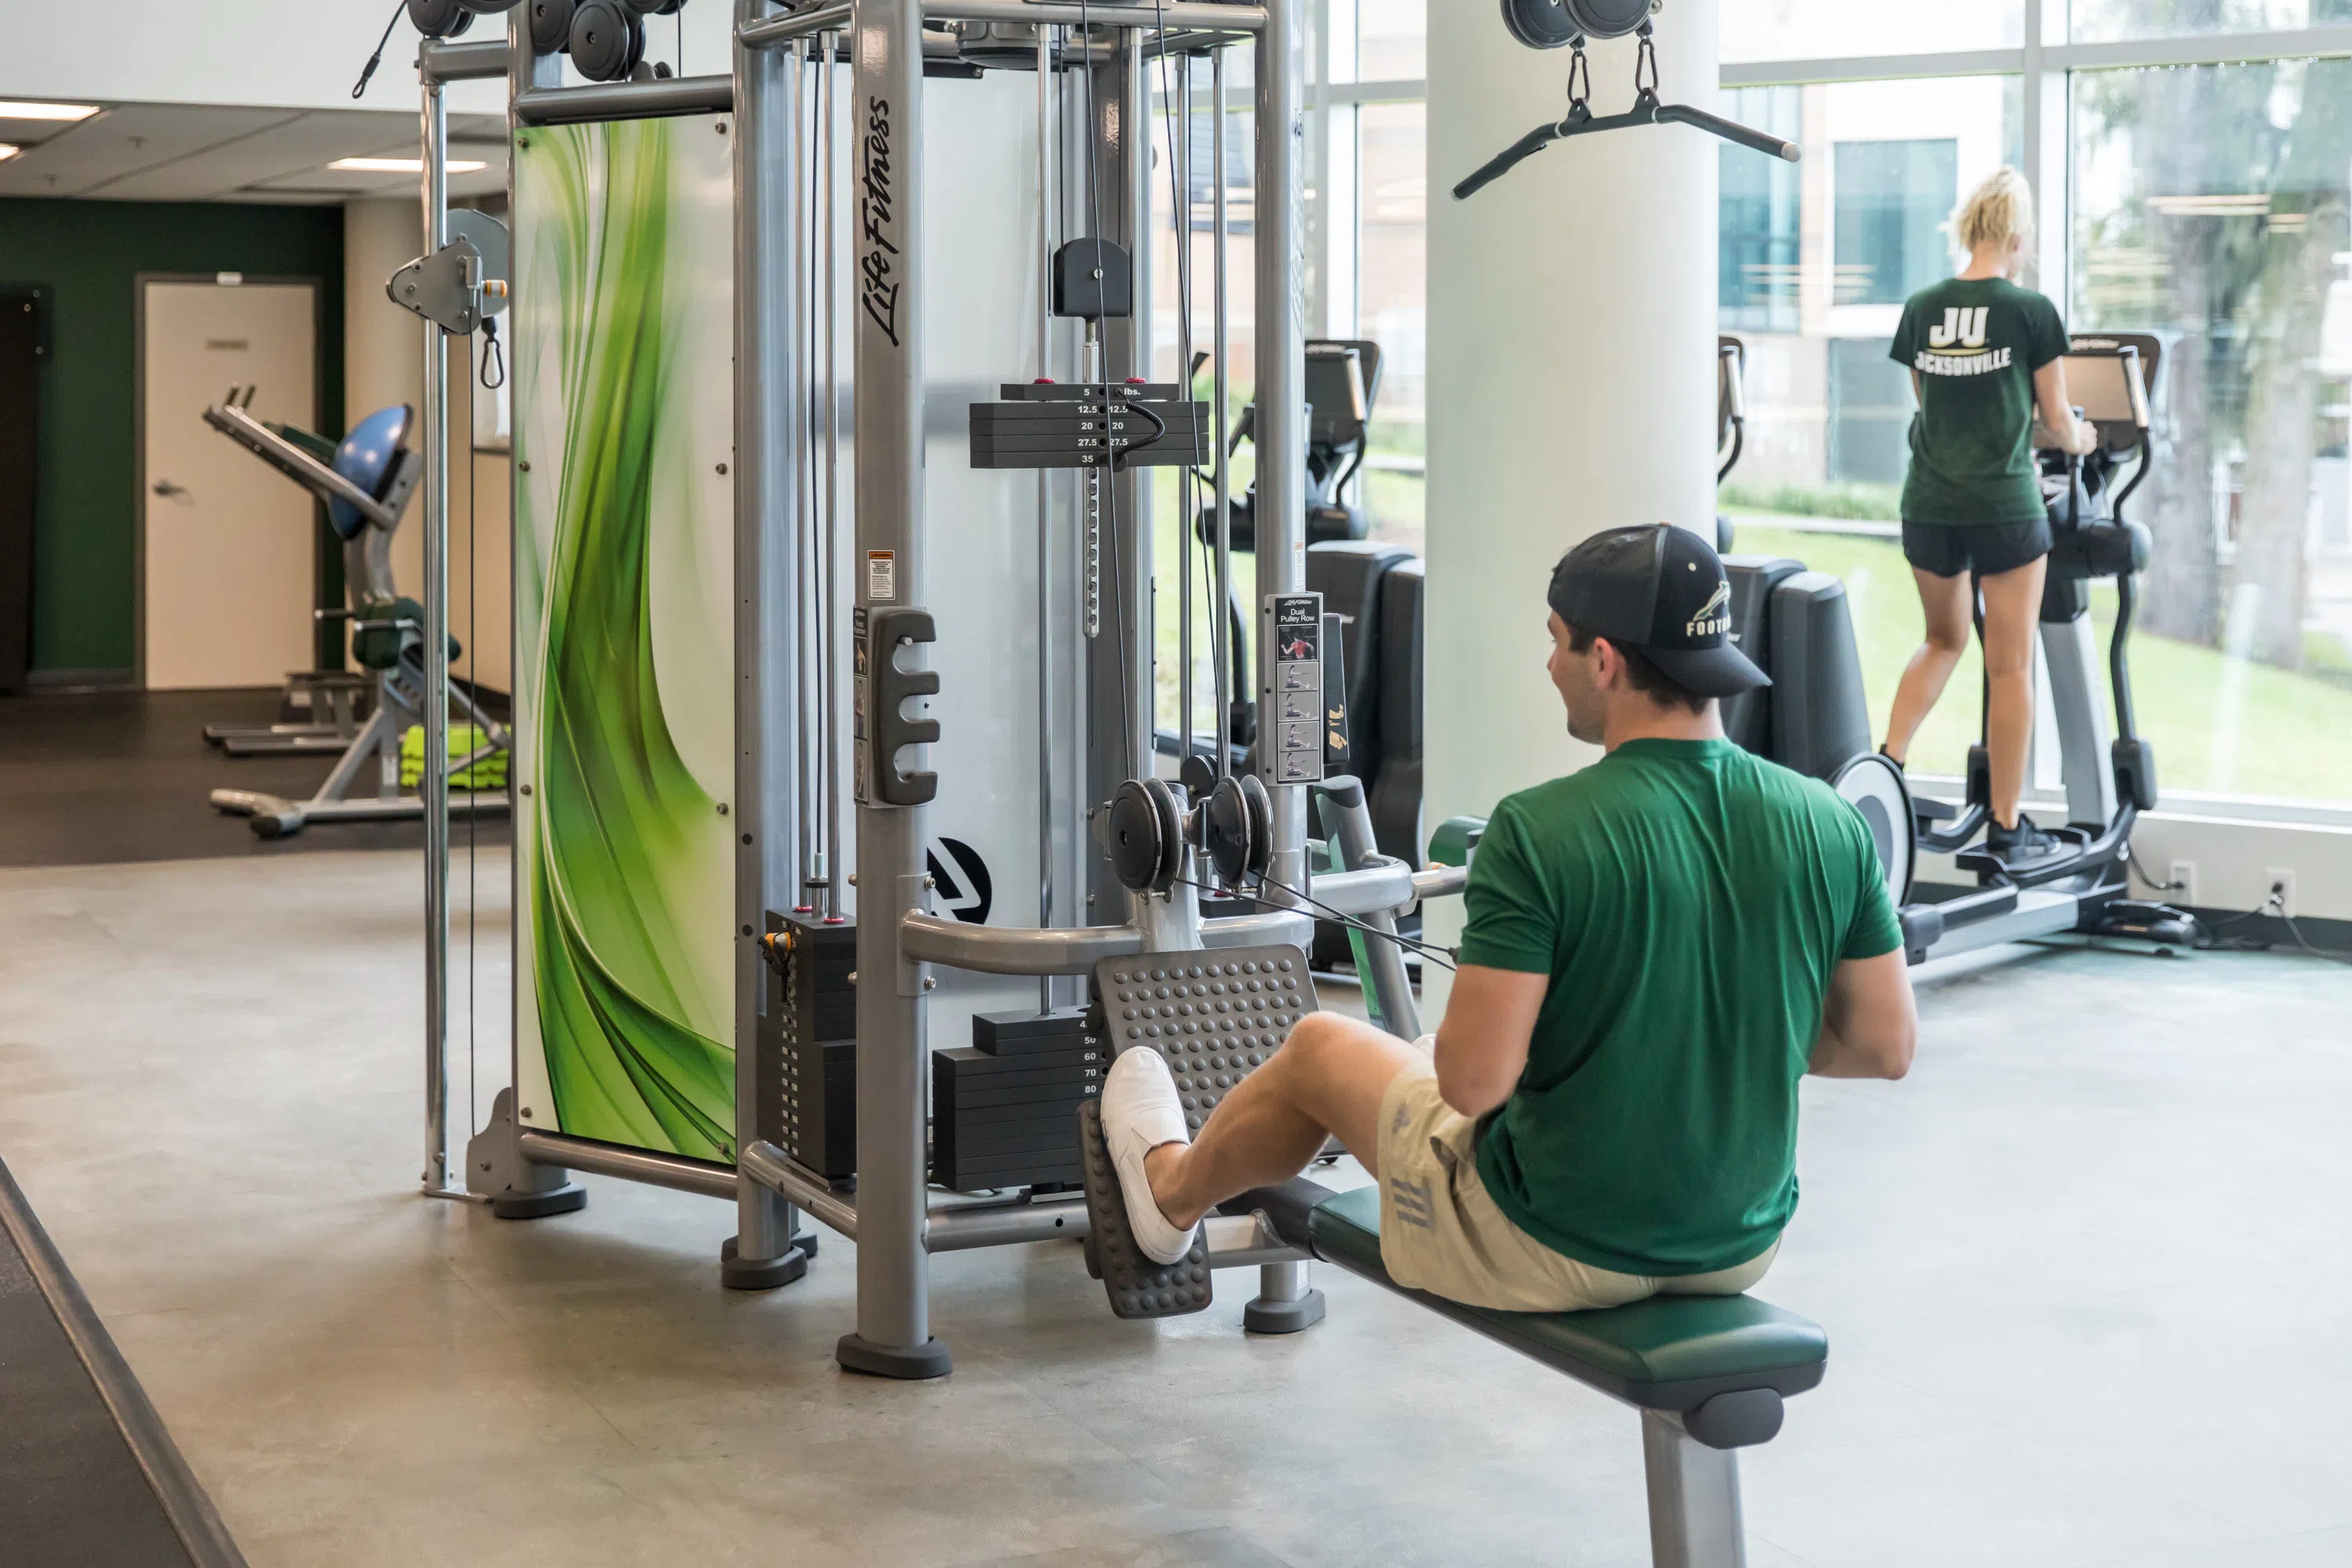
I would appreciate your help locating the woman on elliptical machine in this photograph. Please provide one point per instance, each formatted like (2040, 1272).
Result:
(1984, 356)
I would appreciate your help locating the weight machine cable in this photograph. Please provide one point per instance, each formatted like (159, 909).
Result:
(367, 72)
(1429, 951)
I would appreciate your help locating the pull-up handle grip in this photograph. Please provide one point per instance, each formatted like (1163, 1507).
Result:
(893, 688)
(1647, 112)
(1731, 130)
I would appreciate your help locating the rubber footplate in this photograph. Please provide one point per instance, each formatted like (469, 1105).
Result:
(1138, 1287)
(1215, 1017)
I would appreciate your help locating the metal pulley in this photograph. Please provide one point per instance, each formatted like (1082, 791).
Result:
(1237, 829)
(1556, 24)
(464, 283)
(1146, 836)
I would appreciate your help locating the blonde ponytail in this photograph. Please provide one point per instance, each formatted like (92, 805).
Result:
(2001, 209)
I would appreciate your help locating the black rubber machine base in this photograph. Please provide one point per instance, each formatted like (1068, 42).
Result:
(930, 1359)
(736, 1273)
(566, 1199)
(1263, 1317)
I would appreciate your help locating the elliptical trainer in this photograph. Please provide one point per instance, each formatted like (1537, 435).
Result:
(1798, 625)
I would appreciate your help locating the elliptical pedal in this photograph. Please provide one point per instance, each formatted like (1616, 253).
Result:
(1982, 860)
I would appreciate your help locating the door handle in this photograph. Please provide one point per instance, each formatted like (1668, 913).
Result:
(167, 490)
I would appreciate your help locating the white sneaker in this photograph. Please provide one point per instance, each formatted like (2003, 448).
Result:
(1140, 1112)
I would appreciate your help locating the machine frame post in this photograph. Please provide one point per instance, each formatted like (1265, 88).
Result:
(894, 1333)
(763, 1253)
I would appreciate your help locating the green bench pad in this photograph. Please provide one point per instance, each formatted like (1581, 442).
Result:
(1669, 1353)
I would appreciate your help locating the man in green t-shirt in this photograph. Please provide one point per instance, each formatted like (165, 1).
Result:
(1659, 947)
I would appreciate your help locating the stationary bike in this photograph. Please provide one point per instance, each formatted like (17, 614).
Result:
(1813, 718)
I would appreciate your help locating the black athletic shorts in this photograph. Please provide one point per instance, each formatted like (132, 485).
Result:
(1947, 550)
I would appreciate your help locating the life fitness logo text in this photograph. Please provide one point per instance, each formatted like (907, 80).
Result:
(878, 273)
(1714, 617)
(959, 877)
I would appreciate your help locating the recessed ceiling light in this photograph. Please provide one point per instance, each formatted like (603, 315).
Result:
(403, 165)
(20, 108)
(7, 151)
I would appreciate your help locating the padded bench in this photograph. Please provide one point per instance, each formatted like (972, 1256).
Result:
(1708, 1374)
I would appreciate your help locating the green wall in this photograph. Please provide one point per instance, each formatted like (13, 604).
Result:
(89, 255)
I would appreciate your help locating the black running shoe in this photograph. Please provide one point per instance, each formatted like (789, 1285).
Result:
(2023, 844)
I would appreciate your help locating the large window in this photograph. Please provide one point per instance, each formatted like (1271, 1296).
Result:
(1763, 216)
(1827, 29)
(2102, 20)
(1891, 198)
(2188, 191)
(1816, 301)
(1392, 311)
(2210, 207)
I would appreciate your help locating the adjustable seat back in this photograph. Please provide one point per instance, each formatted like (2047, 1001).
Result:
(1820, 719)
(1396, 787)
(1348, 572)
(1747, 718)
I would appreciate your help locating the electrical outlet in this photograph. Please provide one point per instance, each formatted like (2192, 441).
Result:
(2278, 892)
(2182, 875)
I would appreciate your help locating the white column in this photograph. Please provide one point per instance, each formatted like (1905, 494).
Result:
(1571, 378)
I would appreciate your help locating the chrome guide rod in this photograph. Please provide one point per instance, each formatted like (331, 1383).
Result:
(764, 1224)
(829, 577)
(1221, 351)
(795, 415)
(440, 1180)
(1188, 493)
(1047, 825)
(1130, 128)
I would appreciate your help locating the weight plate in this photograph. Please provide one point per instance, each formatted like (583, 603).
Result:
(439, 18)
(608, 39)
(550, 26)
(1878, 792)
(489, 7)
(656, 7)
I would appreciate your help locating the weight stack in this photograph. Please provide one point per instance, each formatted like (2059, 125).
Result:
(1004, 1109)
(808, 1045)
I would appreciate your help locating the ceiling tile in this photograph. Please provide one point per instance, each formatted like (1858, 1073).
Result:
(125, 141)
(303, 144)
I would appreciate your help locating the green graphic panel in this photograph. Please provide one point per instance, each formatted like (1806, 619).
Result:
(624, 672)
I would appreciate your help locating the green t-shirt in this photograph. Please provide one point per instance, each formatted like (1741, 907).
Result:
(1689, 901)
(1975, 345)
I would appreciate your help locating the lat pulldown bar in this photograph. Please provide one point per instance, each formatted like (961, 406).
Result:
(1568, 22)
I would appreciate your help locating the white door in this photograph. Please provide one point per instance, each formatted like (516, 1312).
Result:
(230, 544)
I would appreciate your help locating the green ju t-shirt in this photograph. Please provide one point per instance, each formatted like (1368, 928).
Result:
(1975, 344)
(1689, 901)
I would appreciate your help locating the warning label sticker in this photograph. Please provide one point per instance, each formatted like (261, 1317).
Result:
(882, 576)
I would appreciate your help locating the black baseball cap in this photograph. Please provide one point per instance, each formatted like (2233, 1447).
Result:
(1661, 589)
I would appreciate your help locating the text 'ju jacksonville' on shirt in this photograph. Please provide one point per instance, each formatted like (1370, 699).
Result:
(1975, 344)
(1689, 901)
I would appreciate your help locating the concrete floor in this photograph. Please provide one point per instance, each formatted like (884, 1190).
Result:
(2084, 1276)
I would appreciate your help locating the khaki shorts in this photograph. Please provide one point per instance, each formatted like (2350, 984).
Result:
(1440, 1231)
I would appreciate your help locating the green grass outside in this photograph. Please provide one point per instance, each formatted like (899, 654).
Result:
(2220, 726)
